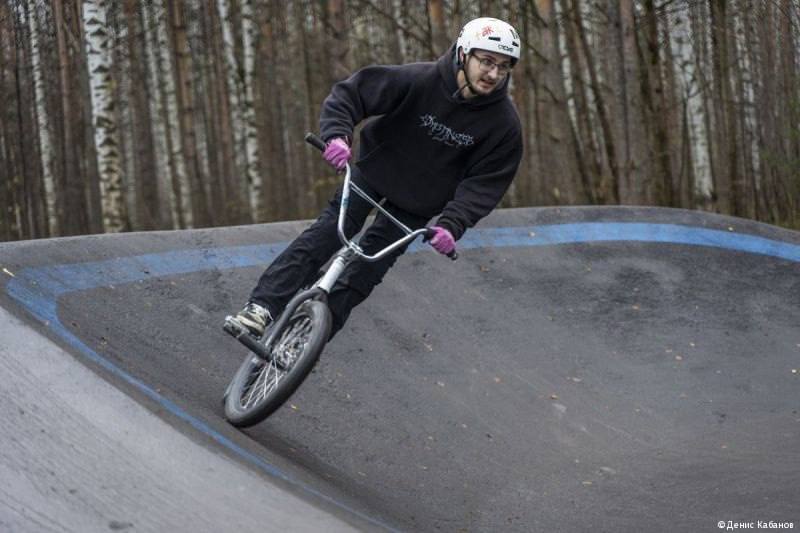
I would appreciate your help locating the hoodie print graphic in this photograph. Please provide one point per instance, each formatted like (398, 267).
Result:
(444, 134)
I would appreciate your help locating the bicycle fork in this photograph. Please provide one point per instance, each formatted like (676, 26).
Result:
(319, 291)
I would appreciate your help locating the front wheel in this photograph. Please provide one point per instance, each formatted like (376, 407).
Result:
(260, 387)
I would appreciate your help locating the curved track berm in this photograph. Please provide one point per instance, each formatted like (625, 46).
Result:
(603, 369)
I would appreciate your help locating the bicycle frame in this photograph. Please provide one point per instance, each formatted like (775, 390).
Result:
(349, 252)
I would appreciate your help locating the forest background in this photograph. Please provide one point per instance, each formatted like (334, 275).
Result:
(157, 114)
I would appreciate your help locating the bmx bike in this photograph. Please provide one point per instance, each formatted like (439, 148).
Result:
(284, 355)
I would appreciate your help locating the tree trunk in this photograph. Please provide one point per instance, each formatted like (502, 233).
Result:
(656, 115)
(168, 205)
(583, 130)
(43, 121)
(337, 40)
(181, 183)
(611, 190)
(256, 193)
(626, 104)
(229, 171)
(561, 173)
(148, 214)
(30, 177)
(742, 112)
(790, 91)
(271, 101)
(700, 112)
(235, 94)
(725, 167)
(399, 12)
(194, 189)
(440, 41)
(307, 176)
(103, 115)
(76, 218)
(9, 187)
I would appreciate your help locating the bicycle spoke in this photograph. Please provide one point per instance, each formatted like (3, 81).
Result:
(266, 376)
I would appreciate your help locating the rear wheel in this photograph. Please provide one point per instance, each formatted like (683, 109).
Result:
(260, 387)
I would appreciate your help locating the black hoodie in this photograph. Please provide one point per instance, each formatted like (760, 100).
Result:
(430, 151)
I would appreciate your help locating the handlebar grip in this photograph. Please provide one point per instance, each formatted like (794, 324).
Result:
(429, 233)
(315, 141)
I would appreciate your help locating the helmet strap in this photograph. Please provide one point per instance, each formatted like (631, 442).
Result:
(463, 67)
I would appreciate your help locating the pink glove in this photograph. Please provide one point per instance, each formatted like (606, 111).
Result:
(337, 153)
(442, 240)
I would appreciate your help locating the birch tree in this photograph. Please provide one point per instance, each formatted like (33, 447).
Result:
(686, 92)
(249, 32)
(43, 120)
(175, 150)
(236, 98)
(168, 207)
(173, 184)
(98, 55)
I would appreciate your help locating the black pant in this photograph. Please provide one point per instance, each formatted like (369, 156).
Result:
(298, 265)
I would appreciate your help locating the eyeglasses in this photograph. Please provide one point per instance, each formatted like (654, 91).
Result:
(486, 65)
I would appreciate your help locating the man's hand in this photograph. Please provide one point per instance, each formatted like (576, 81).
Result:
(442, 240)
(337, 153)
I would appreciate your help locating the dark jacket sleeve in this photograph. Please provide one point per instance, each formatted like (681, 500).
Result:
(371, 91)
(480, 192)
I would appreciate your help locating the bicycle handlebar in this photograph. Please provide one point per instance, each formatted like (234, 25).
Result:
(315, 141)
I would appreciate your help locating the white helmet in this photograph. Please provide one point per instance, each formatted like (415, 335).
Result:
(492, 35)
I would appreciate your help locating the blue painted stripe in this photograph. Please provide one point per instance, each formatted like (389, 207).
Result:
(55, 280)
(37, 289)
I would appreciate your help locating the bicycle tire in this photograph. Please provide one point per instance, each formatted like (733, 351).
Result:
(260, 387)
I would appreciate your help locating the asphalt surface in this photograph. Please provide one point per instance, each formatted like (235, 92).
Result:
(603, 369)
